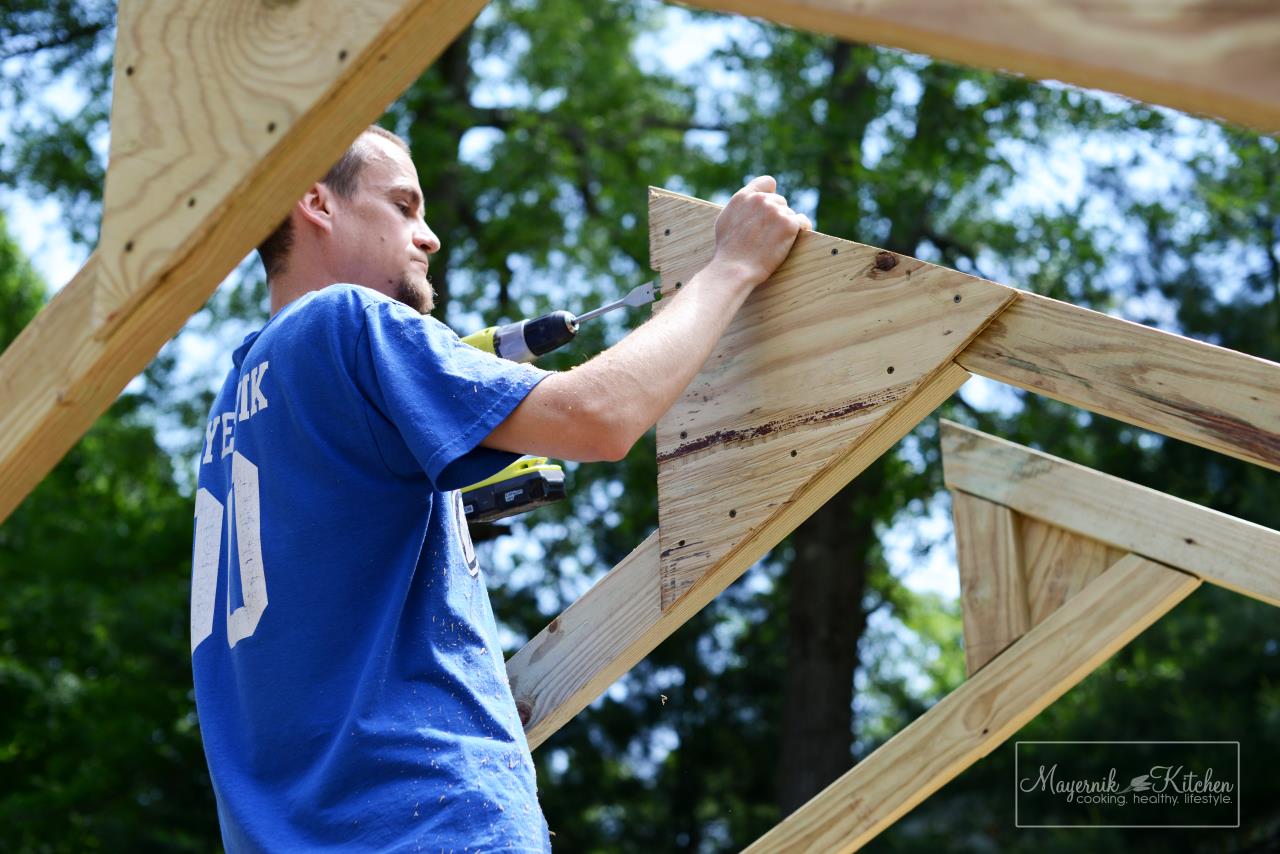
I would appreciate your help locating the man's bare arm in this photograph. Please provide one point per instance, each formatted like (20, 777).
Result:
(598, 410)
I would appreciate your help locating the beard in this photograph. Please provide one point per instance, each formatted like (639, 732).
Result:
(419, 297)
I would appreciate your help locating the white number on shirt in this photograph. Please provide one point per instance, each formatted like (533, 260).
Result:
(245, 513)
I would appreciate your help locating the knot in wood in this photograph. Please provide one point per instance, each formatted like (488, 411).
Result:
(525, 710)
(886, 260)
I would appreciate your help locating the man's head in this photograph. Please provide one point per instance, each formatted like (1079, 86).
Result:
(362, 224)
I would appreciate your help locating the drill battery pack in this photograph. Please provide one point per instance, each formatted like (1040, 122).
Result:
(525, 484)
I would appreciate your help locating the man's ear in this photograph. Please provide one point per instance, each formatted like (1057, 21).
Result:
(316, 207)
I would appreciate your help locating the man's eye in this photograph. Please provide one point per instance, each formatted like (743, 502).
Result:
(404, 208)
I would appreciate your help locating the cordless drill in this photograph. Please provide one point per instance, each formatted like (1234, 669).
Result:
(530, 482)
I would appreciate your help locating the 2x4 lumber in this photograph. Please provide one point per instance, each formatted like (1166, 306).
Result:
(223, 114)
(840, 337)
(985, 711)
(590, 646)
(992, 590)
(1210, 396)
(1216, 57)
(1218, 548)
(621, 620)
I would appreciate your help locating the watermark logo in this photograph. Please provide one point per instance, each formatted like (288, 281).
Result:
(1127, 784)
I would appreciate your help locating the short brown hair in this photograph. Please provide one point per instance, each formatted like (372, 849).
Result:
(343, 179)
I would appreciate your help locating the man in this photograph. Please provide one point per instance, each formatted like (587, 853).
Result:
(349, 681)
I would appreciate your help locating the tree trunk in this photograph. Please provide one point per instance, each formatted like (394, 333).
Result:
(828, 574)
(825, 620)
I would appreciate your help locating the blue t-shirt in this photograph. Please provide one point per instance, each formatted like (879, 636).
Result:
(349, 682)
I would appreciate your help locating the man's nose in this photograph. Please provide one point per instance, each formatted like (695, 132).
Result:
(425, 239)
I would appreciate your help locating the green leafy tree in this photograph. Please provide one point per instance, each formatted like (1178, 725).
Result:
(535, 136)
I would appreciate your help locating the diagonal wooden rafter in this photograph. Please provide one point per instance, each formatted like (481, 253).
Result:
(1216, 57)
(1218, 548)
(223, 113)
(1210, 396)
(985, 710)
(621, 619)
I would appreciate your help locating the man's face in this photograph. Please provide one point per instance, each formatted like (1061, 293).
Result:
(380, 236)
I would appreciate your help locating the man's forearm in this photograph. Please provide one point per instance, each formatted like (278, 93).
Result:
(639, 379)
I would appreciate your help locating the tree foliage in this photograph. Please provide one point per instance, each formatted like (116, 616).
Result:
(535, 135)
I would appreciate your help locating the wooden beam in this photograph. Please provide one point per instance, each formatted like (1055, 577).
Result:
(1209, 396)
(222, 115)
(986, 710)
(1221, 549)
(993, 594)
(835, 342)
(1216, 57)
(590, 646)
(621, 620)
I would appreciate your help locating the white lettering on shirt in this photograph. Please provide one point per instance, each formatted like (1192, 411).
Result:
(209, 432)
(250, 400)
(259, 399)
(228, 440)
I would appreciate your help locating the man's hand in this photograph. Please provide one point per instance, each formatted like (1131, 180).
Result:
(599, 409)
(755, 231)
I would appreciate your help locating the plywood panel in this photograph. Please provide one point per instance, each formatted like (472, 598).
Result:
(620, 620)
(839, 338)
(1058, 564)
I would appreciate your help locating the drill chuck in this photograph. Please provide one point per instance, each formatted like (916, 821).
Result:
(528, 339)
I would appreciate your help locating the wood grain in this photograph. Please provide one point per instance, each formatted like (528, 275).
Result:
(840, 337)
(1057, 564)
(1216, 57)
(223, 114)
(621, 620)
(1221, 549)
(986, 710)
(1213, 397)
(993, 593)
(590, 646)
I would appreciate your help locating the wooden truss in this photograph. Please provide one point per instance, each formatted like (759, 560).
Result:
(223, 113)
(829, 364)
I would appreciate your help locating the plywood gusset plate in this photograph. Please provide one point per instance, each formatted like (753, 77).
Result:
(840, 337)
(1014, 572)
